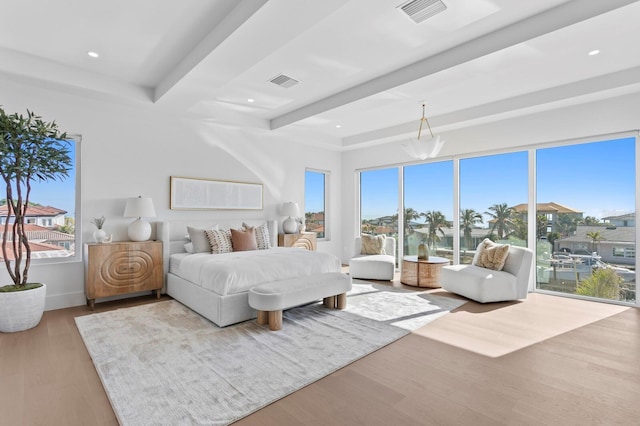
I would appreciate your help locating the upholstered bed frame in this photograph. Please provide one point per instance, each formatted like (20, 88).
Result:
(222, 310)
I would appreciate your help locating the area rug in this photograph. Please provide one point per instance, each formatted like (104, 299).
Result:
(162, 363)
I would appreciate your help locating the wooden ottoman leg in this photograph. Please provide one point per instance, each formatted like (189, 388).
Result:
(263, 317)
(275, 320)
(329, 302)
(341, 301)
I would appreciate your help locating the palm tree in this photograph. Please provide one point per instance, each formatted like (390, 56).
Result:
(436, 221)
(520, 229)
(590, 221)
(469, 218)
(541, 225)
(566, 224)
(501, 214)
(409, 215)
(595, 236)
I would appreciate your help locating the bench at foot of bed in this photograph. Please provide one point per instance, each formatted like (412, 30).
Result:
(271, 299)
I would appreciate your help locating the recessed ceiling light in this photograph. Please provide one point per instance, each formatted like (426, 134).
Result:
(338, 126)
(93, 54)
(251, 100)
(594, 52)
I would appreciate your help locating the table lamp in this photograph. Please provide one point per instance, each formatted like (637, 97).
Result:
(139, 229)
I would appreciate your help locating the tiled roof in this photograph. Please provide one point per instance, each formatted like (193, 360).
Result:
(546, 207)
(40, 211)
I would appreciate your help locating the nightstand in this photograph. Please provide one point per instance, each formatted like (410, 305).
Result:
(306, 240)
(122, 267)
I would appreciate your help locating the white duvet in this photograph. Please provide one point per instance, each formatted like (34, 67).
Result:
(236, 272)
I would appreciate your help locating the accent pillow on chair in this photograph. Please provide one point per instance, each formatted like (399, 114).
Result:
(373, 244)
(492, 255)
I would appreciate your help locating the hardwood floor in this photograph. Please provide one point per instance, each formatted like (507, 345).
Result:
(590, 375)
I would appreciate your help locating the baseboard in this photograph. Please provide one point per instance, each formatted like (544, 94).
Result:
(65, 300)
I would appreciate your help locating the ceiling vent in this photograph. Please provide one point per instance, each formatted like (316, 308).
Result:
(421, 10)
(284, 81)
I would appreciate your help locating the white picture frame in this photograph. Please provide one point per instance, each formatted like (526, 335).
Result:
(209, 194)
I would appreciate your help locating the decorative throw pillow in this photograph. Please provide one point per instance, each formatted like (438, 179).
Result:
(372, 244)
(243, 240)
(189, 246)
(199, 239)
(262, 235)
(220, 240)
(492, 255)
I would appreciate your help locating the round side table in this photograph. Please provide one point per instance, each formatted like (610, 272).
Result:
(422, 273)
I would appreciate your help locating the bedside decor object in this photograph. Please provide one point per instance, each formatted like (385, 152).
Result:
(290, 224)
(426, 147)
(31, 150)
(99, 235)
(139, 229)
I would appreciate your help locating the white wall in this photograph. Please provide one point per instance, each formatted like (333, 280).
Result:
(581, 121)
(130, 149)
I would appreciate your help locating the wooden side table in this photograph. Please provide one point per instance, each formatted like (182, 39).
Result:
(122, 267)
(422, 273)
(306, 240)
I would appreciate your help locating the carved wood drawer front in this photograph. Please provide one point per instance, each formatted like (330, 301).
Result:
(122, 267)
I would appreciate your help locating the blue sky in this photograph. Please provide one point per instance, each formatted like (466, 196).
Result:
(59, 194)
(595, 178)
(314, 191)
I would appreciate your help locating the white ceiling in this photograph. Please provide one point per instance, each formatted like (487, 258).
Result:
(362, 64)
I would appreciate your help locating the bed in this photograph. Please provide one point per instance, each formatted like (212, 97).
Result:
(216, 285)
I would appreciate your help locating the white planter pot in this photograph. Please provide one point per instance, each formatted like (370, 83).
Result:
(21, 310)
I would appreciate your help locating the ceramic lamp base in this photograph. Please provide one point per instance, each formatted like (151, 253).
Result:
(290, 226)
(139, 230)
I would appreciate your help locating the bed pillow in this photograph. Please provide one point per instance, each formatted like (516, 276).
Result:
(243, 240)
(492, 255)
(372, 244)
(199, 239)
(262, 235)
(189, 247)
(220, 240)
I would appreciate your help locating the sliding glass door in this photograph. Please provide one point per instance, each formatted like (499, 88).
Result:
(379, 202)
(586, 230)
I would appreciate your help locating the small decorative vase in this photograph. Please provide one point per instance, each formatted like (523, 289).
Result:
(423, 252)
(99, 235)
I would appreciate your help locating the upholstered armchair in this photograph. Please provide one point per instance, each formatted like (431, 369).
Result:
(373, 266)
(483, 284)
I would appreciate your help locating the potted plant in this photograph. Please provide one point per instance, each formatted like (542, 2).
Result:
(31, 150)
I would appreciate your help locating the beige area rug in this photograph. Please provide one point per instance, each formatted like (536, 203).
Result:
(162, 364)
(496, 329)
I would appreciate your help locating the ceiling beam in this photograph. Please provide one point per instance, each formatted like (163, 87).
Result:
(230, 23)
(545, 22)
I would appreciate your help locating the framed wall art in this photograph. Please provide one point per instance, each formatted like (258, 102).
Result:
(209, 194)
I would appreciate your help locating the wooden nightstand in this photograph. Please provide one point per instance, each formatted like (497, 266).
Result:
(122, 267)
(307, 240)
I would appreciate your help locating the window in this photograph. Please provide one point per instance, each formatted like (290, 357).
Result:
(379, 202)
(53, 214)
(315, 196)
(493, 201)
(589, 187)
(428, 208)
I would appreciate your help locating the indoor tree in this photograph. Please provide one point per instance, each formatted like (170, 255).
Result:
(31, 150)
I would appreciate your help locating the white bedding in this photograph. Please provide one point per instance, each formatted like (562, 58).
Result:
(236, 272)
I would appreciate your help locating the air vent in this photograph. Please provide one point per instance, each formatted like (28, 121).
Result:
(421, 10)
(284, 81)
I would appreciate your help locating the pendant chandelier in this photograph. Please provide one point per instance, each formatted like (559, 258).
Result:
(427, 147)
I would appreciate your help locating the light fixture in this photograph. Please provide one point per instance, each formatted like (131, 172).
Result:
(426, 147)
(93, 54)
(250, 100)
(594, 52)
(139, 229)
(290, 225)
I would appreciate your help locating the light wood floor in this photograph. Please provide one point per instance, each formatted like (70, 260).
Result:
(590, 375)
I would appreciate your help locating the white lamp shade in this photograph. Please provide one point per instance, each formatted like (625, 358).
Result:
(139, 207)
(290, 209)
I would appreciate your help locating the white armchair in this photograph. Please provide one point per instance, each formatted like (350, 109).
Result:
(373, 266)
(487, 285)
